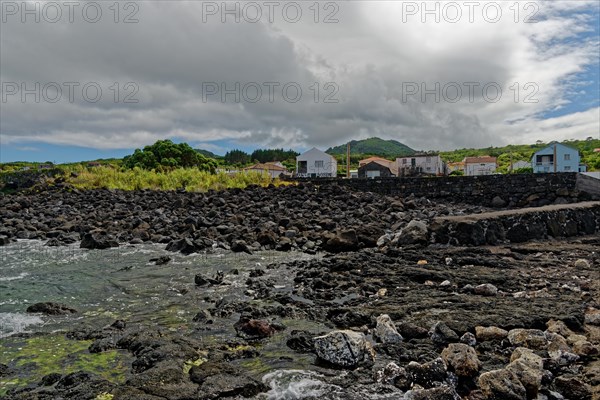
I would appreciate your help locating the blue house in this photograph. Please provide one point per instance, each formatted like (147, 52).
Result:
(557, 158)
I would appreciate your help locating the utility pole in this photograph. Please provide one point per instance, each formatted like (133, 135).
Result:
(348, 160)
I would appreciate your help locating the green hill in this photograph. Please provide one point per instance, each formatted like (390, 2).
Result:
(374, 147)
(208, 154)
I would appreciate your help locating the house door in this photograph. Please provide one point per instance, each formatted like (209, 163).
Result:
(302, 167)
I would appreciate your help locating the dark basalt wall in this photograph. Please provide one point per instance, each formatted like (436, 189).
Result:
(519, 226)
(518, 190)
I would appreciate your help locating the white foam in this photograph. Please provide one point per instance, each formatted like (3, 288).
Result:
(11, 323)
(13, 278)
(296, 385)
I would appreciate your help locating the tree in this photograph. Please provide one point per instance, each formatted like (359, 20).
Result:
(164, 154)
(236, 157)
(268, 155)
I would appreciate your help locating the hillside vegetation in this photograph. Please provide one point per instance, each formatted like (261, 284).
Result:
(525, 152)
(373, 146)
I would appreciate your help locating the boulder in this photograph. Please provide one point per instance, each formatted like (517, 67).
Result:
(98, 241)
(344, 240)
(239, 246)
(343, 348)
(592, 316)
(50, 308)
(392, 374)
(462, 359)
(415, 232)
(185, 246)
(412, 331)
(583, 348)
(486, 289)
(385, 331)
(502, 384)
(498, 202)
(530, 338)
(468, 338)
(485, 333)
(529, 368)
(441, 334)
(254, 328)
(438, 393)
(573, 388)
(428, 373)
(162, 260)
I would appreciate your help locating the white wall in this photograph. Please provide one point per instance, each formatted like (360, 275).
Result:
(427, 164)
(318, 164)
(473, 169)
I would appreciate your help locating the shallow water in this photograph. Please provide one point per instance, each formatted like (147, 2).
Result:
(122, 283)
(117, 283)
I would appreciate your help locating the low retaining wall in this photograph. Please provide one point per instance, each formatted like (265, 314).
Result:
(588, 184)
(515, 190)
(517, 226)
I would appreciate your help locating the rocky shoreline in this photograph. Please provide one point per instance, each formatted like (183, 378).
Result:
(399, 315)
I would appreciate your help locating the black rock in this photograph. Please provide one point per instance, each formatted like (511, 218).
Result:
(50, 379)
(101, 345)
(161, 260)
(239, 246)
(50, 308)
(98, 241)
(427, 373)
(441, 334)
(203, 316)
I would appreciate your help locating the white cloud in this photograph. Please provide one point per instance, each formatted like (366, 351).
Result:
(371, 54)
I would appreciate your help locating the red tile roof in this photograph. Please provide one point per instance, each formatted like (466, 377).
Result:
(269, 167)
(479, 160)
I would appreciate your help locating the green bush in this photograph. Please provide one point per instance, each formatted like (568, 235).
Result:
(190, 179)
(164, 155)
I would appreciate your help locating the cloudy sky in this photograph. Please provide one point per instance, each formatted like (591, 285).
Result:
(95, 79)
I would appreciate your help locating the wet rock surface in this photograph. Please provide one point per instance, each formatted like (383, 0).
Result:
(50, 308)
(383, 311)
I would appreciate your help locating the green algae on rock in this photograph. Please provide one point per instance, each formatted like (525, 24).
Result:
(30, 359)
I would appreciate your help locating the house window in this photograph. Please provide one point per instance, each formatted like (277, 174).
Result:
(319, 164)
(567, 167)
(567, 157)
(404, 161)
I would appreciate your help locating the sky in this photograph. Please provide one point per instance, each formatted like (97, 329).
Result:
(87, 80)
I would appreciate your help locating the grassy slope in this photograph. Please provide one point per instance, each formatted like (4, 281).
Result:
(525, 152)
(373, 146)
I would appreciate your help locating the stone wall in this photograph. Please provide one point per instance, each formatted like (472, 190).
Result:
(517, 226)
(588, 184)
(517, 190)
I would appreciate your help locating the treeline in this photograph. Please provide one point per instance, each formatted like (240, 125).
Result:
(239, 157)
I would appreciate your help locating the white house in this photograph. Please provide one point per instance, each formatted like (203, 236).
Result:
(431, 164)
(521, 164)
(485, 165)
(274, 169)
(316, 164)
